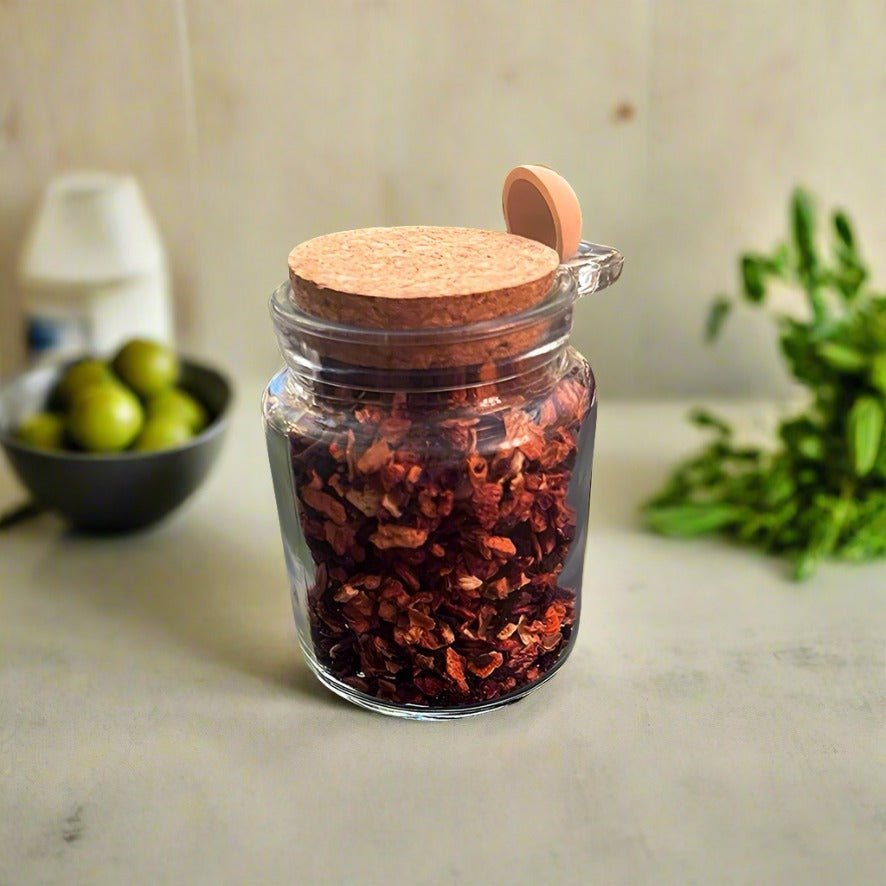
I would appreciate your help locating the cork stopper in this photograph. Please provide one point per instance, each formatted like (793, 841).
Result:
(419, 277)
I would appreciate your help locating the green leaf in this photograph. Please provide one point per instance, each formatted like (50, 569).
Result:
(808, 263)
(878, 372)
(873, 525)
(717, 315)
(798, 348)
(849, 275)
(703, 419)
(779, 261)
(806, 564)
(875, 320)
(831, 516)
(820, 491)
(843, 230)
(811, 448)
(864, 428)
(753, 278)
(803, 230)
(880, 466)
(843, 358)
(689, 520)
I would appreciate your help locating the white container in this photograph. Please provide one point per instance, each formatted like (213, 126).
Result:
(93, 272)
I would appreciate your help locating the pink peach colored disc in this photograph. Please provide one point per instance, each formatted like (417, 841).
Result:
(540, 204)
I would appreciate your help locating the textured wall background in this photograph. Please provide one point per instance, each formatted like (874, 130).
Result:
(682, 124)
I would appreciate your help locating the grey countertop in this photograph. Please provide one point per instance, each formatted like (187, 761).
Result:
(715, 724)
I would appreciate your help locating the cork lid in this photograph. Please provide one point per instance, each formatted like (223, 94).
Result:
(419, 277)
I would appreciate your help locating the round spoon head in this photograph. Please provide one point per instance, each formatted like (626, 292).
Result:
(540, 204)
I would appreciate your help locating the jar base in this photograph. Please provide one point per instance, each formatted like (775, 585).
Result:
(417, 712)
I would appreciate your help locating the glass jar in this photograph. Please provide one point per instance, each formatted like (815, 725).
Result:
(434, 507)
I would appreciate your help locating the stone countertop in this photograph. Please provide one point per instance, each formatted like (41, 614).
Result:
(716, 723)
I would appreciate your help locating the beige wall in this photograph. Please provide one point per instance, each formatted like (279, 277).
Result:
(682, 124)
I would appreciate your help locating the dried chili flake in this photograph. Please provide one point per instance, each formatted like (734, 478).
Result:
(498, 545)
(571, 397)
(484, 664)
(394, 428)
(390, 535)
(486, 501)
(340, 538)
(438, 547)
(324, 503)
(506, 631)
(455, 670)
(422, 620)
(374, 458)
(336, 484)
(392, 475)
(367, 501)
(345, 593)
(477, 468)
(389, 503)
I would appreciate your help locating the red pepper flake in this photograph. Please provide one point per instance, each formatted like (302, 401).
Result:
(390, 535)
(374, 458)
(389, 503)
(477, 469)
(336, 484)
(366, 501)
(345, 593)
(483, 665)
(421, 620)
(499, 546)
(455, 670)
(486, 501)
(523, 433)
(571, 397)
(430, 685)
(506, 631)
(340, 538)
(438, 545)
(554, 617)
(324, 503)
(394, 428)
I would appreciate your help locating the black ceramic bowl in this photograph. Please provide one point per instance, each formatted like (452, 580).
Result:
(121, 491)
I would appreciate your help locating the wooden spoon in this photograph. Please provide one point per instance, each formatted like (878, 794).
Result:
(540, 204)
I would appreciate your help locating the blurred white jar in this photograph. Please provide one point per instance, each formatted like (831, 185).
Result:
(93, 272)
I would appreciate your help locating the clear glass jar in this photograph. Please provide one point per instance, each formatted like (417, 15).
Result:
(434, 510)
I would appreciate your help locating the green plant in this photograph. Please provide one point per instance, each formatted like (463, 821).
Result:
(820, 491)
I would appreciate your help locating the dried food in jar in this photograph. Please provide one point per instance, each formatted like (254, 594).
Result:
(439, 546)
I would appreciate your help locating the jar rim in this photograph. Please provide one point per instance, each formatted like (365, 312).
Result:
(287, 315)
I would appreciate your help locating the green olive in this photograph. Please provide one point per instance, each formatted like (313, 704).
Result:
(105, 418)
(81, 375)
(148, 367)
(180, 405)
(162, 432)
(44, 430)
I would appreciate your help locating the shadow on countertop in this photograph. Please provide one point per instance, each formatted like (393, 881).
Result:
(217, 593)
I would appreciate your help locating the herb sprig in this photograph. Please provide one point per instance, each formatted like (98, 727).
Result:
(820, 491)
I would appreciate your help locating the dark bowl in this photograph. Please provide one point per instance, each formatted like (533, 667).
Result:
(118, 492)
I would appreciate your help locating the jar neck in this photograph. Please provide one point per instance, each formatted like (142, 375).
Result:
(339, 360)
(477, 388)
